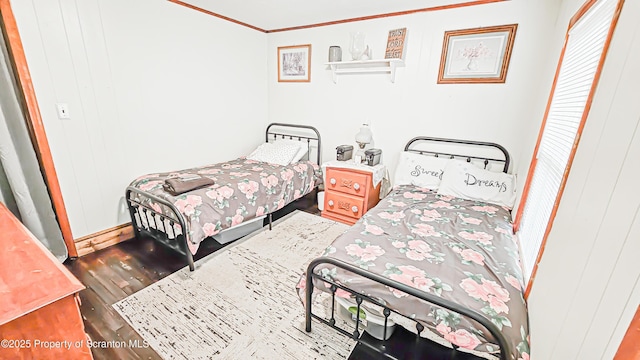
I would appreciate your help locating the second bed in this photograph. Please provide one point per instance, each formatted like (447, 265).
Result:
(430, 261)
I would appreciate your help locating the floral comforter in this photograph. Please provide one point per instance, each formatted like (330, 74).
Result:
(243, 190)
(457, 249)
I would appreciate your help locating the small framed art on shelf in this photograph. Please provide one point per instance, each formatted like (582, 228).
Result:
(478, 55)
(294, 63)
(395, 44)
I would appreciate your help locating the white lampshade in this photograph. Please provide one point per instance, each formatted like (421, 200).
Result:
(364, 136)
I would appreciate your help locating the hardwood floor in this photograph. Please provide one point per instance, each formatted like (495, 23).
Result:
(118, 271)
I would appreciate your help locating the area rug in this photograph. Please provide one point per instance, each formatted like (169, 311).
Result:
(240, 303)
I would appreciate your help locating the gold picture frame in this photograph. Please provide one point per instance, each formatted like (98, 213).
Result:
(294, 63)
(479, 55)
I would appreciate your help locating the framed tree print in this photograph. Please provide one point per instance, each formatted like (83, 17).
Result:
(478, 55)
(294, 63)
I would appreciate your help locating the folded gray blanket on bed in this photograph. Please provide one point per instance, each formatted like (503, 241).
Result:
(180, 185)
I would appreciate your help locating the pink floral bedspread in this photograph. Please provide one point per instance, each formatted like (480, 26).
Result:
(457, 249)
(243, 190)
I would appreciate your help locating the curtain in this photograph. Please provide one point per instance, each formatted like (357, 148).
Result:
(22, 186)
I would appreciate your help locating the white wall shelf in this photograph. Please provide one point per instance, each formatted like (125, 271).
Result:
(365, 67)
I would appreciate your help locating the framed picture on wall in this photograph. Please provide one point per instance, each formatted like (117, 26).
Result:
(478, 55)
(294, 63)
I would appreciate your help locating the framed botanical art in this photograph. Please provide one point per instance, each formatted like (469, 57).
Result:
(294, 63)
(476, 55)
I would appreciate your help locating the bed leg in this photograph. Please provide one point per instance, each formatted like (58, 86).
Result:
(308, 295)
(454, 352)
(183, 240)
(132, 214)
(270, 220)
(192, 266)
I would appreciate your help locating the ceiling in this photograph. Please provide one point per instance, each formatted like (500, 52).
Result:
(271, 15)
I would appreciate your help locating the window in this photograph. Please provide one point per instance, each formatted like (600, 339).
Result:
(576, 79)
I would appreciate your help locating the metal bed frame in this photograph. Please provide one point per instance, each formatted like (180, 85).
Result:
(163, 227)
(505, 352)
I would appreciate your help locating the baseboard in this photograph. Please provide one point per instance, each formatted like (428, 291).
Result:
(100, 240)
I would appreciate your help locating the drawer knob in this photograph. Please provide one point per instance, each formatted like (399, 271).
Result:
(356, 186)
(354, 209)
(330, 203)
(332, 181)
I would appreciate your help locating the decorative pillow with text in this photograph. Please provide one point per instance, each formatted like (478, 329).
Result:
(466, 180)
(420, 170)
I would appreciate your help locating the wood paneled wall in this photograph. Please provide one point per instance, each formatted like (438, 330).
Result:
(588, 283)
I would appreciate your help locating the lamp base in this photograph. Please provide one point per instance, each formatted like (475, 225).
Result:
(359, 157)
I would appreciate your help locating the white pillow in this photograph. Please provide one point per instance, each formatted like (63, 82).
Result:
(420, 170)
(270, 153)
(465, 180)
(302, 148)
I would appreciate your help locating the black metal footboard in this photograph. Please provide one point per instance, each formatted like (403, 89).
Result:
(495, 332)
(161, 227)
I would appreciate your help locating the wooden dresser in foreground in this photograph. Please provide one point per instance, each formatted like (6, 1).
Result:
(349, 193)
(39, 313)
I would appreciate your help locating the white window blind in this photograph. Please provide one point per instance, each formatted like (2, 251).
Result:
(583, 52)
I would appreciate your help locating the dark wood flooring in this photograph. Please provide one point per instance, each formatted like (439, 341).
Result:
(116, 272)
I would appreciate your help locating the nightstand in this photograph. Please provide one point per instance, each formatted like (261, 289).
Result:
(349, 191)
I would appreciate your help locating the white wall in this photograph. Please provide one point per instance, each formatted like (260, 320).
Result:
(587, 287)
(415, 104)
(151, 86)
(131, 71)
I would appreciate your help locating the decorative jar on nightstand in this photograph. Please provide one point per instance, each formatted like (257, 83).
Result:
(350, 191)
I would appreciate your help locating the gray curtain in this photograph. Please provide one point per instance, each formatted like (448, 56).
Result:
(22, 187)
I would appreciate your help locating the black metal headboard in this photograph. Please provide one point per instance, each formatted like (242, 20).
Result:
(300, 136)
(486, 159)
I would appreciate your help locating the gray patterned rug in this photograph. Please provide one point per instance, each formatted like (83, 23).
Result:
(241, 303)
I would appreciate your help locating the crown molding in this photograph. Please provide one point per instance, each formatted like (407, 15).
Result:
(328, 23)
